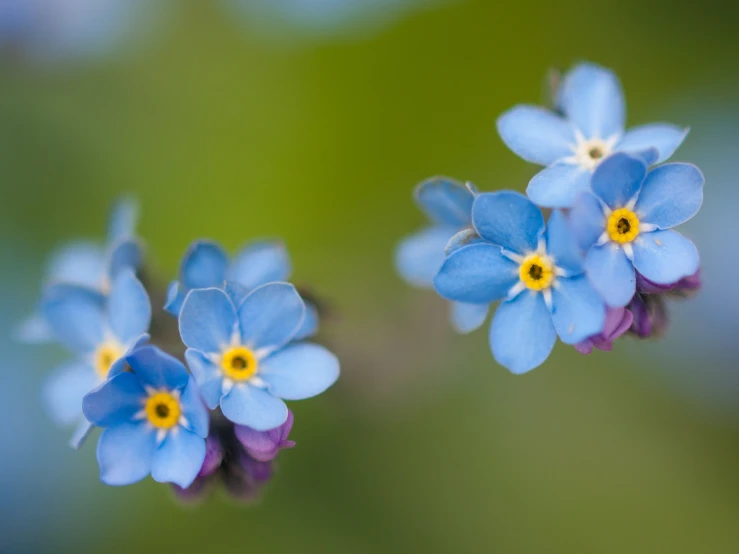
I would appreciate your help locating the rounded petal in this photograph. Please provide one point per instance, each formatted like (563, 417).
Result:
(522, 334)
(208, 320)
(666, 138)
(203, 266)
(75, 315)
(33, 330)
(419, 256)
(125, 255)
(129, 309)
(592, 99)
(535, 134)
(179, 458)
(618, 179)
(157, 369)
(665, 257)
(508, 219)
(562, 244)
(445, 201)
(194, 410)
(79, 263)
(465, 237)
(671, 195)
(611, 273)
(125, 453)
(299, 371)
(253, 407)
(476, 274)
(309, 327)
(115, 401)
(176, 294)
(121, 364)
(468, 317)
(271, 315)
(587, 220)
(64, 389)
(578, 311)
(209, 377)
(259, 263)
(123, 219)
(559, 185)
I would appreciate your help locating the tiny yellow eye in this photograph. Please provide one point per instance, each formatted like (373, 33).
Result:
(105, 356)
(239, 363)
(163, 410)
(537, 272)
(622, 226)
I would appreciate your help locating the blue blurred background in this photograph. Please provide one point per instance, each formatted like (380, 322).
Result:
(312, 120)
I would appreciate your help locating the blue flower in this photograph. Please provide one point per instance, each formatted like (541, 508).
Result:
(89, 265)
(154, 419)
(242, 355)
(100, 331)
(448, 205)
(573, 144)
(206, 265)
(624, 225)
(536, 271)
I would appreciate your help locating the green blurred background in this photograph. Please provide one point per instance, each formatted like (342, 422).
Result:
(425, 444)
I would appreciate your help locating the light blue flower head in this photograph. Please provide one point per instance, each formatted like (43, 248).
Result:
(448, 206)
(206, 265)
(624, 225)
(244, 357)
(535, 270)
(154, 421)
(589, 129)
(100, 331)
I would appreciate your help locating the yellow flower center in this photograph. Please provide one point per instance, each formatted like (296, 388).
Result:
(105, 356)
(163, 410)
(537, 272)
(622, 226)
(239, 363)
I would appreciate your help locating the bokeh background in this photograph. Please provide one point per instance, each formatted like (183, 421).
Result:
(312, 120)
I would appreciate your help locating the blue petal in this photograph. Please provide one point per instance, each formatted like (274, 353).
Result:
(179, 459)
(665, 257)
(508, 219)
(617, 179)
(535, 134)
(34, 330)
(121, 364)
(465, 237)
(115, 401)
(271, 315)
(176, 295)
(468, 317)
(587, 220)
(309, 327)
(592, 99)
(157, 369)
(208, 375)
(125, 453)
(259, 263)
(299, 371)
(522, 334)
(129, 309)
(476, 274)
(75, 315)
(562, 244)
(559, 185)
(79, 263)
(611, 274)
(664, 137)
(125, 255)
(64, 389)
(671, 195)
(445, 201)
(194, 410)
(419, 256)
(254, 407)
(123, 219)
(208, 320)
(203, 266)
(578, 311)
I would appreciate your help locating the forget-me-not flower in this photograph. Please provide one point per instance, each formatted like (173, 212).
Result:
(206, 265)
(448, 206)
(535, 269)
(589, 129)
(624, 225)
(154, 421)
(100, 331)
(243, 357)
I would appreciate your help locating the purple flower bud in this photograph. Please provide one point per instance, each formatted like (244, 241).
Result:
(263, 446)
(683, 287)
(650, 315)
(213, 456)
(618, 321)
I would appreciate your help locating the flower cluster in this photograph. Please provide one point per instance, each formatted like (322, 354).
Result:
(240, 327)
(604, 262)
